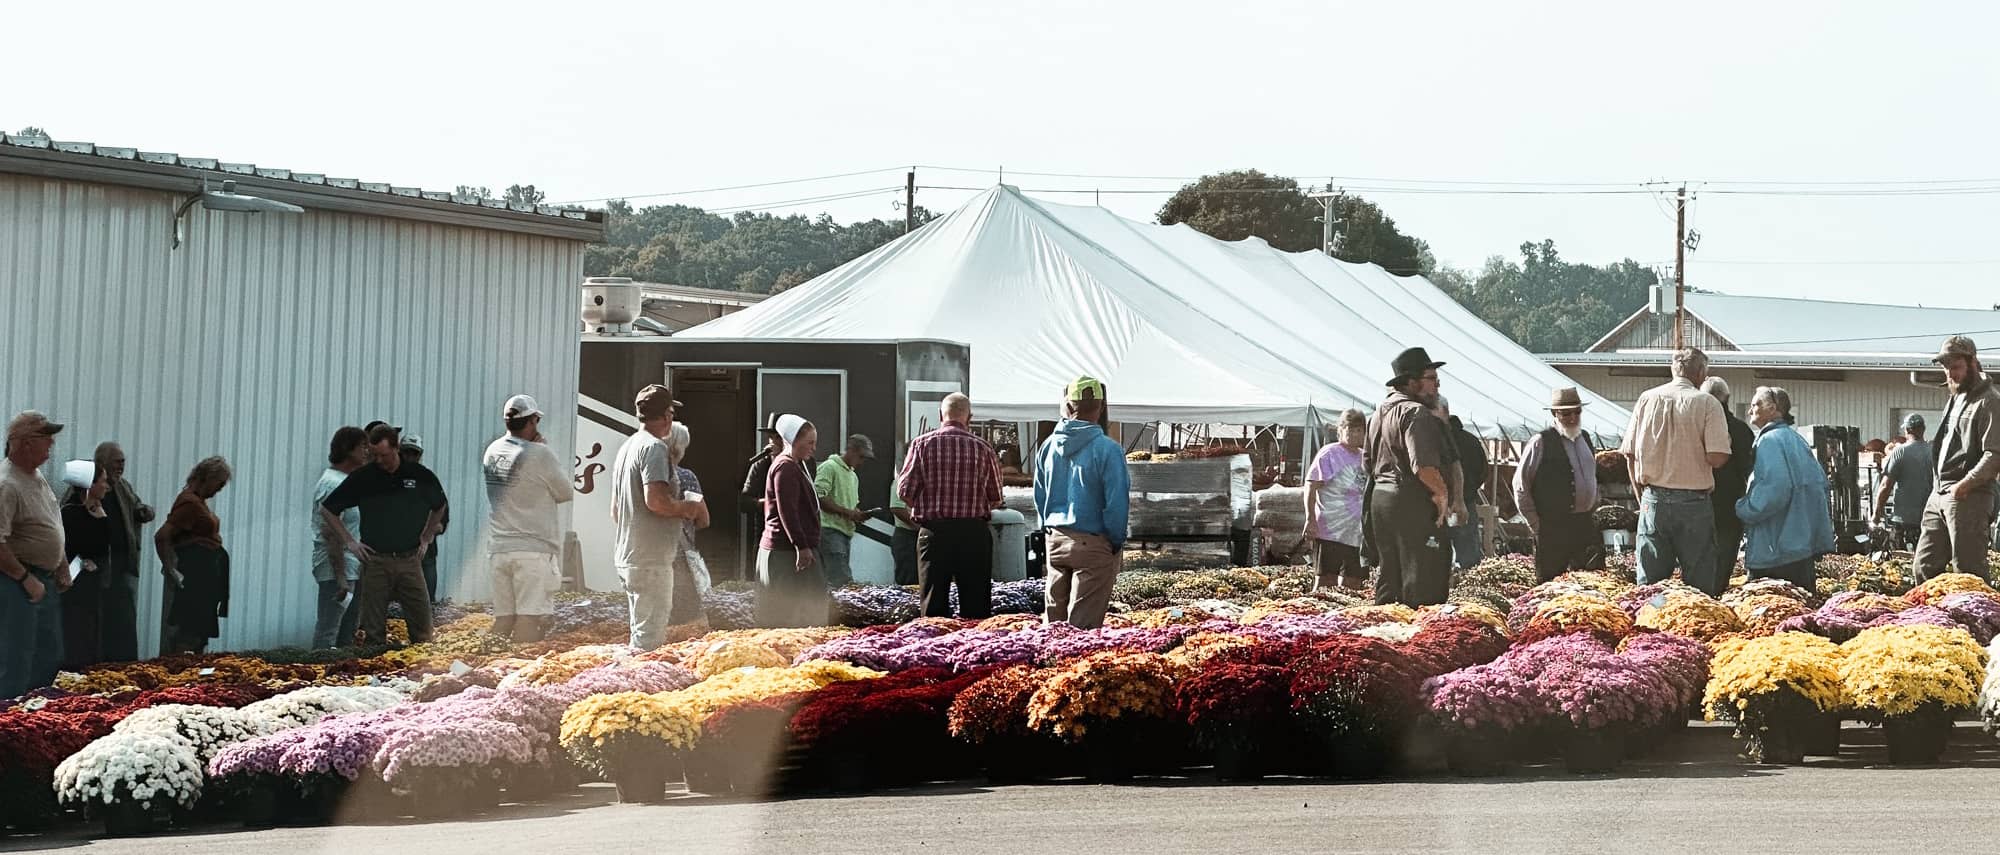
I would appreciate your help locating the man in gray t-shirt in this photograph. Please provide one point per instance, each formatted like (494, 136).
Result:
(1908, 472)
(646, 513)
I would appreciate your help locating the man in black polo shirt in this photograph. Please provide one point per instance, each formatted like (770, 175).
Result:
(402, 510)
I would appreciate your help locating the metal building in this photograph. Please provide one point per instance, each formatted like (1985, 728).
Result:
(260, 333)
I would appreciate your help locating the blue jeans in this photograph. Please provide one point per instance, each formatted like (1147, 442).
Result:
(1465, 544)
(834, 549)
(1678, 527)
(334, 626)
(31, 641)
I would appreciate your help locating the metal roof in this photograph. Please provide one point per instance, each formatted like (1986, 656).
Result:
(1793, 325)
(83, 161)
(1752, 359)
(692, 294)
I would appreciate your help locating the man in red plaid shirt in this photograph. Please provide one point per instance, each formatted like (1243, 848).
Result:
(951, 481)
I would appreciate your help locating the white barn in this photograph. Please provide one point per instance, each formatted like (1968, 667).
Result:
(261, 333)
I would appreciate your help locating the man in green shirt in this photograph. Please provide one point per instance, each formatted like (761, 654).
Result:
(839, 489)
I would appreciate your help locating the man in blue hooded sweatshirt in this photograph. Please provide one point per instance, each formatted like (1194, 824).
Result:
(1082, 493)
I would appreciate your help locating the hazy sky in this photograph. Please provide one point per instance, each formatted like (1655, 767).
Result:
(589, 100)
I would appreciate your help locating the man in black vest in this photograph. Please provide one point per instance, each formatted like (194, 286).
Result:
(1556, 489)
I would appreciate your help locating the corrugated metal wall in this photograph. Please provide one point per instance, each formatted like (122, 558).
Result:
(255, 340)
(1869, 400)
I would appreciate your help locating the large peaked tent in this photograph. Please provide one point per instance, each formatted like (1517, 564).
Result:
(1180, 326)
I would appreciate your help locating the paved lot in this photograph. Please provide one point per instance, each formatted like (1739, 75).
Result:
(1701, 801)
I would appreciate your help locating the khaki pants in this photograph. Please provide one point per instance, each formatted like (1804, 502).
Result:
(398, 577)
(1082, 568)
(1954, 531)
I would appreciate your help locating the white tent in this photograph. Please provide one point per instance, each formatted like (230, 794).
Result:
(1180, 326)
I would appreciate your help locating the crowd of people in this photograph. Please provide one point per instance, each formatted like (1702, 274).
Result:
(1396, 492)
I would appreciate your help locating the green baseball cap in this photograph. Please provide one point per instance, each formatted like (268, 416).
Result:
(1084, 389)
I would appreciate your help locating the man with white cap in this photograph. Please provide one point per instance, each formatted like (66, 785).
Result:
(525, 485)
(1957, 520)
(31, 557)
(647, 510)
(794, 592)
(1555, 487)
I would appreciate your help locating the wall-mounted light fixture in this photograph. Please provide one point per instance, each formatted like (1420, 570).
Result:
(227, 199)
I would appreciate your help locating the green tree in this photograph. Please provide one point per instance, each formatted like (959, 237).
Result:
(1546, 304)
(1243, 203)
(32, 131)
(474, 192)
(756, 252)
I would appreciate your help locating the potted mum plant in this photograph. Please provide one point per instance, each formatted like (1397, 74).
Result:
(1780, 690)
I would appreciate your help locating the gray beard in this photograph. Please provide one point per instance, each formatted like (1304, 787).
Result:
(1569, 433)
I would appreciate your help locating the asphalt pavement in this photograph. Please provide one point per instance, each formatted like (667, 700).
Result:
(1694, 797)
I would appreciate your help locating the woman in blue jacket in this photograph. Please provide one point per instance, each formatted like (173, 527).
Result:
(1787, 519)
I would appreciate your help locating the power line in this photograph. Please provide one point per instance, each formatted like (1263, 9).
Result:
(1853, 261)
(734, 187)
(835, 197)
(1131, 191)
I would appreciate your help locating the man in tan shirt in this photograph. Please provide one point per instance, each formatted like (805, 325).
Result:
(31, 559)
(1677, 438)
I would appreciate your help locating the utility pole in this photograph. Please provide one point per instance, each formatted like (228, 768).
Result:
(1326, 201)
(1680, 267)
(910, 200)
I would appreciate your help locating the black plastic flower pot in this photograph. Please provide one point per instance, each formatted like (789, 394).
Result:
(1822, 738)
(640, 783)
(1359, 756)
(1477, 753)
(1107, 761)
(704, 772)
(1013, 759)
(1593, 751)
(1918, 738)
(1237, 759)
(129, 818)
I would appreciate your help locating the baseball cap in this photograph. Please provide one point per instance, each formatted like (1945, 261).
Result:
(520, 407)
(413, 441)
(653, 401)
(862, 442)
(32, 423)
(1957, 345)
(1913, 421)
(1084, 389)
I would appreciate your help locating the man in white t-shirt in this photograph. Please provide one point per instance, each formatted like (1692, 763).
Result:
(524, 485)
(646, 511)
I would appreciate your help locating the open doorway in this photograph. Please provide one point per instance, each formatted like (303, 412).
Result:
(719, 407)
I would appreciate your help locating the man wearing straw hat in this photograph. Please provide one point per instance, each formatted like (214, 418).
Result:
(1556, 489)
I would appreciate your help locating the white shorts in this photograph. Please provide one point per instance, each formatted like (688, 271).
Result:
(525, 583)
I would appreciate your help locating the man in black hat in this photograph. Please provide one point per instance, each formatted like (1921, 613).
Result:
(1408, 500)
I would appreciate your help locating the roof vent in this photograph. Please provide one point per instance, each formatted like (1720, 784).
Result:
(610, 305)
